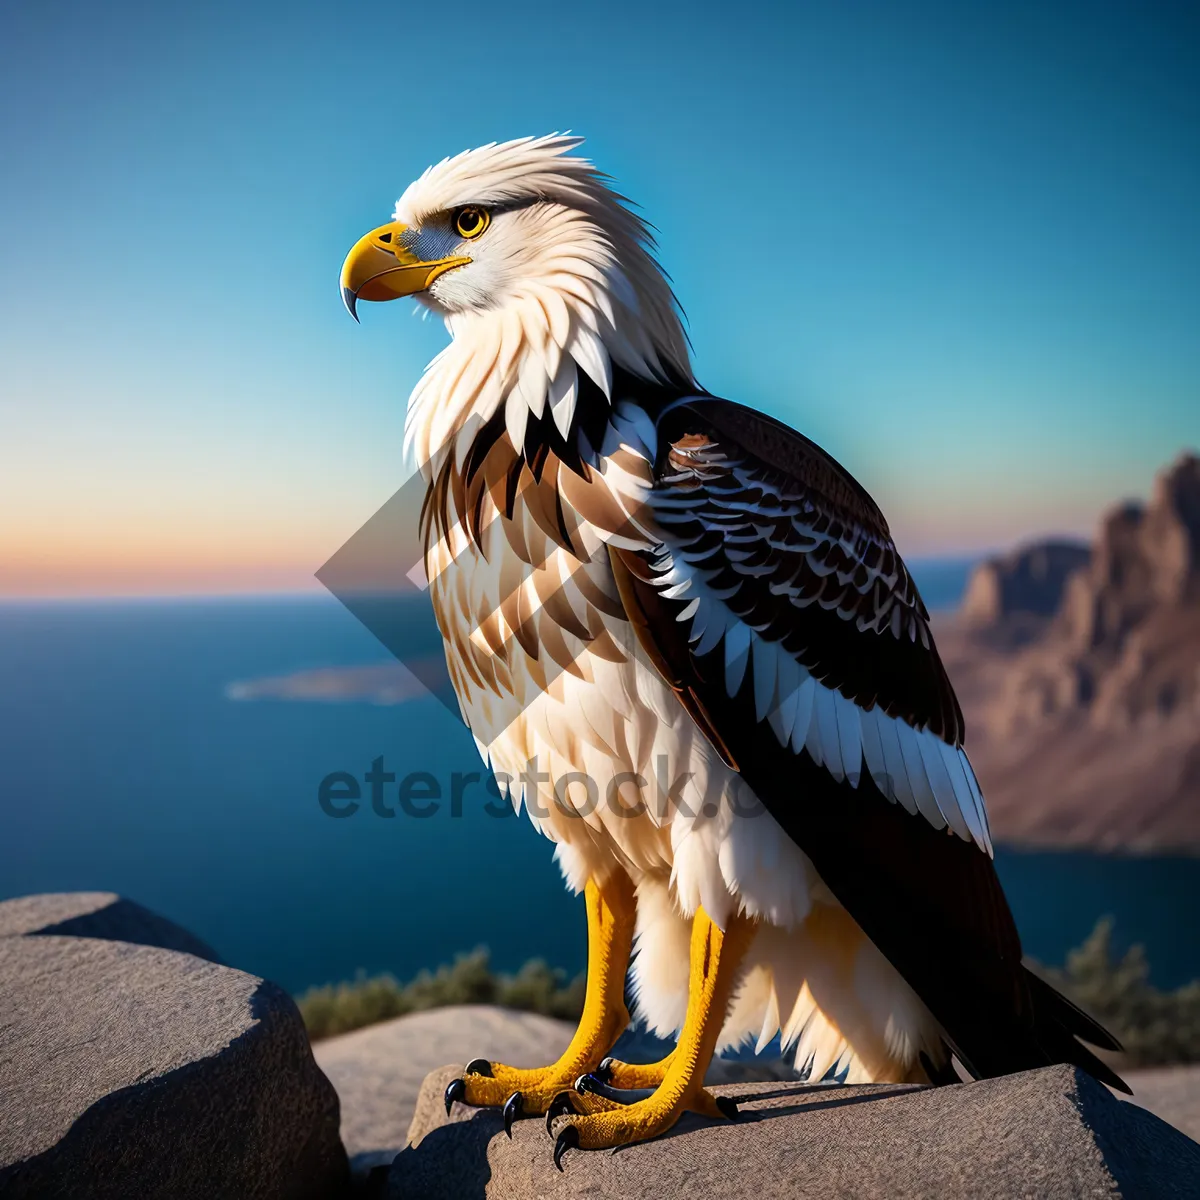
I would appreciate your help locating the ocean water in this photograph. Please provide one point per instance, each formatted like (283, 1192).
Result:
(126, 766)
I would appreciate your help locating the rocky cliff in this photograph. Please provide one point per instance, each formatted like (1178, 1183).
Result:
(1079, 672)
(1023, 587)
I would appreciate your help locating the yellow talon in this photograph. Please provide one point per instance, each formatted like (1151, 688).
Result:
(715, 957)
(610, 916)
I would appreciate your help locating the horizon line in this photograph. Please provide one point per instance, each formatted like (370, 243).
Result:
(14, 599)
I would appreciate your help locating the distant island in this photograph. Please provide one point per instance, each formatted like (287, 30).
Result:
(378, 683)
(1077, 666)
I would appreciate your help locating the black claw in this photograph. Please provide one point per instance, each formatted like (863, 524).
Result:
(604, 1071)
(514, 1107)
(560, 1106)
(479, 1066)
(728, 1105)
(456, 1089)
(567, 1140)
(587, 1083)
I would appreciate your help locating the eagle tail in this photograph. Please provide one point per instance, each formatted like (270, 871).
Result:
(1049, 1032)
(1059, 1026)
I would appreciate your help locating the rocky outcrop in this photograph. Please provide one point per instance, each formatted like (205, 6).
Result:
(378, 1071)
(1053, 1132)
(1125, 644)
(130, 1070)
(1130, 626)
(133, 1070)
(1028, 583)
(1085, 730)
(97, 915)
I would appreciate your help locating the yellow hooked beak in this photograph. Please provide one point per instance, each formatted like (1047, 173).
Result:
(381, 267)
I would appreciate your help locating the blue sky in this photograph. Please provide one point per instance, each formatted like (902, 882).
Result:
(955, 243)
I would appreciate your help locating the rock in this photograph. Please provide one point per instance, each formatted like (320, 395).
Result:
(1028, 582)
(1146, 562)
(379, 1071)
(1053, 1132)
(1172, 1093)
(136, 1071)
(1171, 537)
(97, 915)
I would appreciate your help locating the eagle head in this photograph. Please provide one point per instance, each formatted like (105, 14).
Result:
(537, 266)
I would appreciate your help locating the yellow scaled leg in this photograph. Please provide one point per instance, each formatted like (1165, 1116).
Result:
(715, 958)
(610, 917)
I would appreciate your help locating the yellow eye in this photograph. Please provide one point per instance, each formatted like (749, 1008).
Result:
(471, 221)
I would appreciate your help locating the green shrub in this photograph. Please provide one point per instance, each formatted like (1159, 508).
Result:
(539, 988)
(1154, 1026)
(340, 1007)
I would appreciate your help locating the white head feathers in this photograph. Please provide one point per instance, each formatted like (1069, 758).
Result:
(563, 280)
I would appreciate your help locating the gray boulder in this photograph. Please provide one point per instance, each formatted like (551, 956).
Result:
(1048, 1133)
(1172, 1093)
(130, 1070)
(379, 1071)
(97, 915)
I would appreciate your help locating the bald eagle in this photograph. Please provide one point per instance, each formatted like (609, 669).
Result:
(683, 636)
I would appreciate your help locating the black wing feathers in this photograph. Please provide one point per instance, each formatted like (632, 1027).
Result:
(863, 627)
(931, 902)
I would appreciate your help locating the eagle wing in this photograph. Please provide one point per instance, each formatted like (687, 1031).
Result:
(778, 608)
